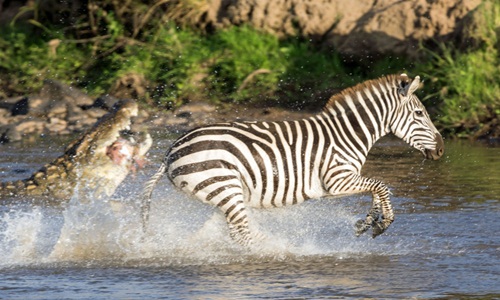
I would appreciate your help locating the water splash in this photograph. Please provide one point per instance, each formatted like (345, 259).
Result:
(19, 235)
(97, 230)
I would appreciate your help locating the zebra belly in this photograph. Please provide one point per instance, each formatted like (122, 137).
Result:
(213, 182)
(214, 185)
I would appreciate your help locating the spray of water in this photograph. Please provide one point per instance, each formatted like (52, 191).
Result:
(96, 230)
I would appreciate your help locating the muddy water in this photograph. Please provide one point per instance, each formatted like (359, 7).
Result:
(445, 242)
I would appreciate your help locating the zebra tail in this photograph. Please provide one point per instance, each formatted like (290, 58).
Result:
(146, 195)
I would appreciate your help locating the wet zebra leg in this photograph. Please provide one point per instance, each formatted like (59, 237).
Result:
(237, 219)
(372, 217)
(240, 232)
(380, 225)
(380, 215)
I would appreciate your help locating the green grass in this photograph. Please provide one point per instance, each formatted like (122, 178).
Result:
(26, 60)
(236, 65)
(467, 88)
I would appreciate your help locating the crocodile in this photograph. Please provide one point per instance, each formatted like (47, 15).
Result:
(97, 161)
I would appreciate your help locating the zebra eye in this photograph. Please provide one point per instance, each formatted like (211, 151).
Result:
(419, 113)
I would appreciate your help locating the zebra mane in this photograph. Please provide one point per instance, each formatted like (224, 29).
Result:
(401, 82)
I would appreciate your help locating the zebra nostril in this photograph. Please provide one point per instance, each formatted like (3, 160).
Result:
(439, 146)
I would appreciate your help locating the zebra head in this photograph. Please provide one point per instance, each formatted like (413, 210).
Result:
(412, 123)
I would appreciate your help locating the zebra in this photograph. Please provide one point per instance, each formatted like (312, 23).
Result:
(275, 164)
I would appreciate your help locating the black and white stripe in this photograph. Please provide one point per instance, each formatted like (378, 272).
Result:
(274, 164)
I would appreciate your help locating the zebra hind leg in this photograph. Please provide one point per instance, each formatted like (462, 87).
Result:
(240, 233)
(379, 226)
(237, 219)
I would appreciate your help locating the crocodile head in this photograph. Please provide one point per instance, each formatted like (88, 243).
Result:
(109, 151)
(96, 163)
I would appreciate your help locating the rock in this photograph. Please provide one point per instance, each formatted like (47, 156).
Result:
(9, 103)
(56, 125)
(29, 105)
(58, 109)
(391, 27)
(62, 101)
(358, 28)
(195, 113)
(4, 116)
(354, 28)
(58, 91)
(80, 122)
(8, 133)
(195, 108)
(472, 32)
(29, 126)
(95, 113)
(21, 107)
(36, 106)
(16, 128)
(105, 102)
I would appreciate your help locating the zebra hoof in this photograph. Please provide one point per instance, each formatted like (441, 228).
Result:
(361, 227)
(378, 229)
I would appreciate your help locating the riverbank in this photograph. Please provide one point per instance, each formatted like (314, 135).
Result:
(60, 109)
(174, 56)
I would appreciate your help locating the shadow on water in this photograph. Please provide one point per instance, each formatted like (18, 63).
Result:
(444, 240)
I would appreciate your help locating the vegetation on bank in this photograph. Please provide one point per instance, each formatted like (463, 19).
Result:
(466, 83)
(165, 65)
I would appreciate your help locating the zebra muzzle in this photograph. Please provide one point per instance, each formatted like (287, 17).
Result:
(438, 151)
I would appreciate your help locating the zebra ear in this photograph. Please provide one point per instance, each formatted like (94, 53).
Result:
(407, 88)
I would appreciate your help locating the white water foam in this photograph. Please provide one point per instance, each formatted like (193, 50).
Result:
(182, 230)
(19, 234)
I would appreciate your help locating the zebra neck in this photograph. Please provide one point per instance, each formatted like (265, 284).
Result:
(355, 128)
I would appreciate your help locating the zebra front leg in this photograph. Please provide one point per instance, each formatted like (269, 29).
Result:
(380, 215)
(380, 204)
(372, 217)
(387, 216)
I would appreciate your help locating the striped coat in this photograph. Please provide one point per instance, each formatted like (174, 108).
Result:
(275, 164)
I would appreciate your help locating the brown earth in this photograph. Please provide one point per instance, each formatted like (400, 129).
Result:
(354, 28)
(358, 28)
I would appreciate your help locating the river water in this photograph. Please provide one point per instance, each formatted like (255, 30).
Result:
(444, 243)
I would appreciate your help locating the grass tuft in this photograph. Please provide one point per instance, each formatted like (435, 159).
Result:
(466, 83)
